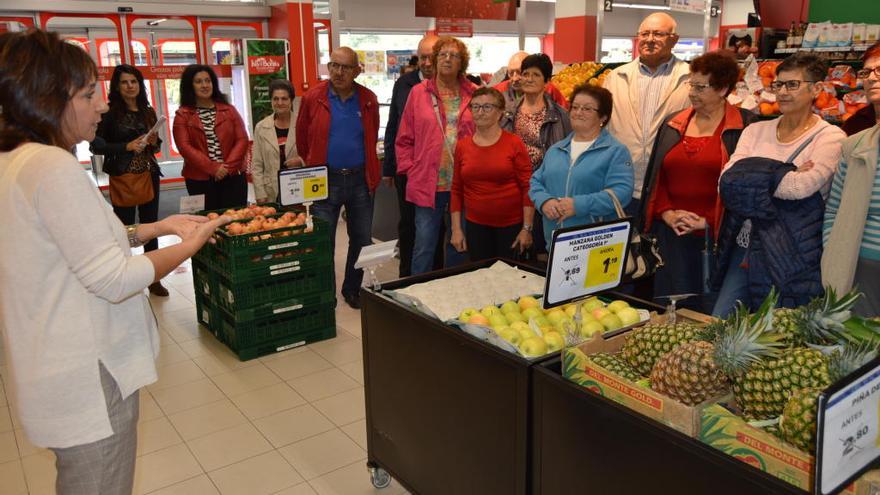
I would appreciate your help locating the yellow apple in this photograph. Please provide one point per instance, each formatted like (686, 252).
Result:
(497, 321)
(554, 341)
(570, 309)
(555, 315)
(533, 346)
(629, 316)
(489, 311)
(616, 306)
(519, 325)
(592, 303)
(467, 313)
(515, 316)
(511, 336)
(509, 306)
(526, 302)
(478, 319)
(527, 333)
(590, 328)
(600, 313)
(531, 313)
(611, 322)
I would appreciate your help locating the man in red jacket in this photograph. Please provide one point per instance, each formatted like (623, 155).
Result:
(338, 126)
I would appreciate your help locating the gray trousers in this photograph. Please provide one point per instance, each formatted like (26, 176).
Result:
(105, 467)
(868, 282)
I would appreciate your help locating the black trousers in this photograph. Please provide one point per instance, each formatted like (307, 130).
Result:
(406, 231)
(146, 213)
(231, 192)
(682, 270)
(485, 242)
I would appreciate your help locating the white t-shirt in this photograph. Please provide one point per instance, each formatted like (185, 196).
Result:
(578, 148)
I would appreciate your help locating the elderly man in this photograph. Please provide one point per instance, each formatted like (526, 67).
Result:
(511, 88)
(406, 227)
(338, 126)
(645, 91)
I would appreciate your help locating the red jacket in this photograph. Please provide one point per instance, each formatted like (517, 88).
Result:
(313, 128)
(189, 137)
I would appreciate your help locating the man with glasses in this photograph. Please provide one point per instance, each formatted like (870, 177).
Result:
(406, 227)
(645, 91)
(338, 126)
(511, 87)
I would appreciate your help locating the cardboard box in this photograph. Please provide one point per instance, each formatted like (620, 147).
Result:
(577, 368)
(730, 434)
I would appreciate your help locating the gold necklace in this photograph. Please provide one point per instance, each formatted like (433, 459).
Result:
(810, 123)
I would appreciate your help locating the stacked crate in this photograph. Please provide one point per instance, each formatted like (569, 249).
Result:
(268, 291)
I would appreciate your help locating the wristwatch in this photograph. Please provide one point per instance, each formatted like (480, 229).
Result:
(133, 240)
(527, 228)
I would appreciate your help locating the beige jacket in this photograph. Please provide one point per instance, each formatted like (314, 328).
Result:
(626, 124)
(266, 162)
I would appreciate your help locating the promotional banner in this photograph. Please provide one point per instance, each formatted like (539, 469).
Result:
(396, 60)
(503, 10)
(266, 60)
(460, 28)
(161, 72)
(372, 61)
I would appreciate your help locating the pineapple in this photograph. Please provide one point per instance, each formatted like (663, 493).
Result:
(763, 390)
(785, 322)
(798, 422)
(822, 320)
(615, 364)
(696, 371)
(645, 345)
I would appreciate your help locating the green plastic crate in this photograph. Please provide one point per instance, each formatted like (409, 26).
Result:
(207, 313)
(269, 241)
(204, 280)
(306, 252)
(312, 276)
(273, 309)
(284, 343)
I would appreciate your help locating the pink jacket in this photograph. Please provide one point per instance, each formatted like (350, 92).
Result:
(419, 141)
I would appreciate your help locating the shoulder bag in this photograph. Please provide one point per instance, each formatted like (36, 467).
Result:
(133, 188)
(643, 255)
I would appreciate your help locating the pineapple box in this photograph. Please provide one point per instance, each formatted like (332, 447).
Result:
(581, 367)
(732, 435)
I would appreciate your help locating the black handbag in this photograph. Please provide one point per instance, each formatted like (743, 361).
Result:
(643, 255)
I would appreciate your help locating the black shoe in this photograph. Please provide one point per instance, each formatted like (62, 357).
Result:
(353, 300)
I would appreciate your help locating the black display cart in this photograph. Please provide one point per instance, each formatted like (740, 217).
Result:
(446, 413)
(585, 443)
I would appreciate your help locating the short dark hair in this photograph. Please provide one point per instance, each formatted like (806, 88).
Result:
(188, 93)
(283, 85)
(490, 91)
(815, 68)
(39, 74)
(601, 95)
(541, 62)
(117, 103)
(720, 66)
(871, 52)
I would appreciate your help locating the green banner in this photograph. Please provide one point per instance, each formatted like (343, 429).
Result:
(266, 61)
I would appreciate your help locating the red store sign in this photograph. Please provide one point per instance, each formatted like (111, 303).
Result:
(462, 28)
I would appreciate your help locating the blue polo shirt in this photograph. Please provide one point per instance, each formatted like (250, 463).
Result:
(345, 146)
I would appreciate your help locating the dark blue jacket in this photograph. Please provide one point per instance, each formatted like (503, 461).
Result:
(786, 240)
(399, 95)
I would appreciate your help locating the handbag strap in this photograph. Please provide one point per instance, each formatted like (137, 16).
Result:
(803, 145)
(442, 128)
(617, 207)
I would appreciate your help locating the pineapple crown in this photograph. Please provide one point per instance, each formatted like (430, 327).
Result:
(744, 340)
(822, 320)
(850, 358)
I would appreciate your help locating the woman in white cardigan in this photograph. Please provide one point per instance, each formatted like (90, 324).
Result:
(79, 336)
(275, 142)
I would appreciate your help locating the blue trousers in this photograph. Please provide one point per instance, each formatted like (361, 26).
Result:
(735, 286)
(428, 222)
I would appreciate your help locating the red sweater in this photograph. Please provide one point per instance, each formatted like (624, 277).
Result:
(492, 181)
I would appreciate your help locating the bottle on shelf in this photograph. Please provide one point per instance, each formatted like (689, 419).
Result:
(789, 40)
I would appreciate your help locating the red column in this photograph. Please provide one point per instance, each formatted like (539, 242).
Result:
(574, 39)
(293, 21)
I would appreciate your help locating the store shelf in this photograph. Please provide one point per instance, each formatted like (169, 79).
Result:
(823, 49)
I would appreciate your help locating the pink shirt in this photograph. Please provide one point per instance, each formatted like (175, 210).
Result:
(759, 139)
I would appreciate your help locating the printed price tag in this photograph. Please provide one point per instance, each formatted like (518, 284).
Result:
(300, 185)
(585, 260)
(192, 204)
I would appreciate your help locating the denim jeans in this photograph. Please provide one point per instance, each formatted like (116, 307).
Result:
(352, 192)
(428, 221)
(735, 286)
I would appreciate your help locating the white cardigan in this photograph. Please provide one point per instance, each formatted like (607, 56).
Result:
(71, 295)
(266, 162)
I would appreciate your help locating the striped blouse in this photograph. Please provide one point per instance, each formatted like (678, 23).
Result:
(871, 238)
(208, 116)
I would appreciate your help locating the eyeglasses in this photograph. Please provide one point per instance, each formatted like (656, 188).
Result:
(658, 35)
(486, 107)
(582, 108)
(341, 67)
(514, 72)
(697, 87)
(424, 58)
(449, 55)
(866, 73)
(792, 85)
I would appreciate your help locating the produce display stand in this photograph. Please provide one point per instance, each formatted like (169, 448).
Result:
(445, 412)
(585, 443)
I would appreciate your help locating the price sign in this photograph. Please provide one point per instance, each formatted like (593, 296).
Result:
(300, 185)
(847, 441)
(192, 204)
(585, 260)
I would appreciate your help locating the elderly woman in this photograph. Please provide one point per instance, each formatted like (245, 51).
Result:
(436, 116)
(211, 137)
(491, 181)
(274, 143)
(771, 187)
(852, 216)
(683, 210)
(79, 336)
(574, 184)
(536, 118)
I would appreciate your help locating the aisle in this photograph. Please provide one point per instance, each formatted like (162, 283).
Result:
(290, 423)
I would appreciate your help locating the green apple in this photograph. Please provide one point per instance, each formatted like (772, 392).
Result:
(555, 315)
(542, 321)
(592, 303)
(600, 313)
(616, 306)
(590, 328)
(489, 311)
(519, 325)
(500, 329)
(533, 346)
(478, 319)
(531, 313)
(554, 341)
(526, 302)
(611, 322)
(497, 321)
(527, 333)
(629, 316)
(466, 314)
(512, 317)
(511, 336)
(509, 306)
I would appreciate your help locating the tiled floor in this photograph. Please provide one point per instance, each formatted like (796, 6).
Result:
(290, 423)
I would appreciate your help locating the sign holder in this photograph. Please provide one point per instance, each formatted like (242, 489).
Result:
(586, 259)
(848, 432)
(301, 185)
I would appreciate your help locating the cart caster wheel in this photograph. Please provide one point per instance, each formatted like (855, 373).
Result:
(379, 477)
